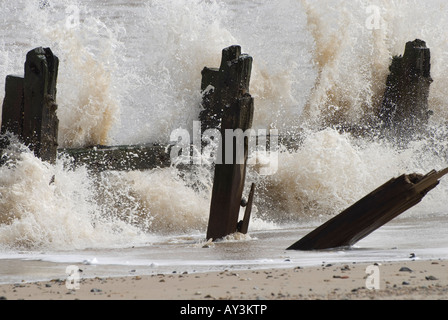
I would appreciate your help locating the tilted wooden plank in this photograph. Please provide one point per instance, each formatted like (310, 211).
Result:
(371, 212)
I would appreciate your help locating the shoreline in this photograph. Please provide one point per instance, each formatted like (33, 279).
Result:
(403, 280)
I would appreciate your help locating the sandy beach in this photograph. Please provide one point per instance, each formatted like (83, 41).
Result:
(407, 280)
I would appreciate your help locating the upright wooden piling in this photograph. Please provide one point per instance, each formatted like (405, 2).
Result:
(40, 123)
(29, 106)
(371, 212)
(12, 113)
(229, 107)
(405, 104)
(221, 87)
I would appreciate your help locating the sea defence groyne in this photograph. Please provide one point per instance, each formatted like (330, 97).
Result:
(30, 114)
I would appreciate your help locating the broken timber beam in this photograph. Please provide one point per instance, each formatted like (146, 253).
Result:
(371, 212)
(29, 106)
(120, 158)
(229, 107)
(404, 108)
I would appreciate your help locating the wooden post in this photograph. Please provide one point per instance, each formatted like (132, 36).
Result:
(371, 212)
(12, 112)
(228, 106)
(29, 107)
(222, 86)
(40, 123)
(405, 105)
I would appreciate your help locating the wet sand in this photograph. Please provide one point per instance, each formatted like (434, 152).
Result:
(408, 280)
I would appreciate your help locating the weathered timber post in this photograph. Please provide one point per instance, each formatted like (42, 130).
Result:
(40, 123)
(29, 106)
(405, 105)
(222, 86)
(229, 107)
(12, 113)
(29, 109)
(370, 213)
